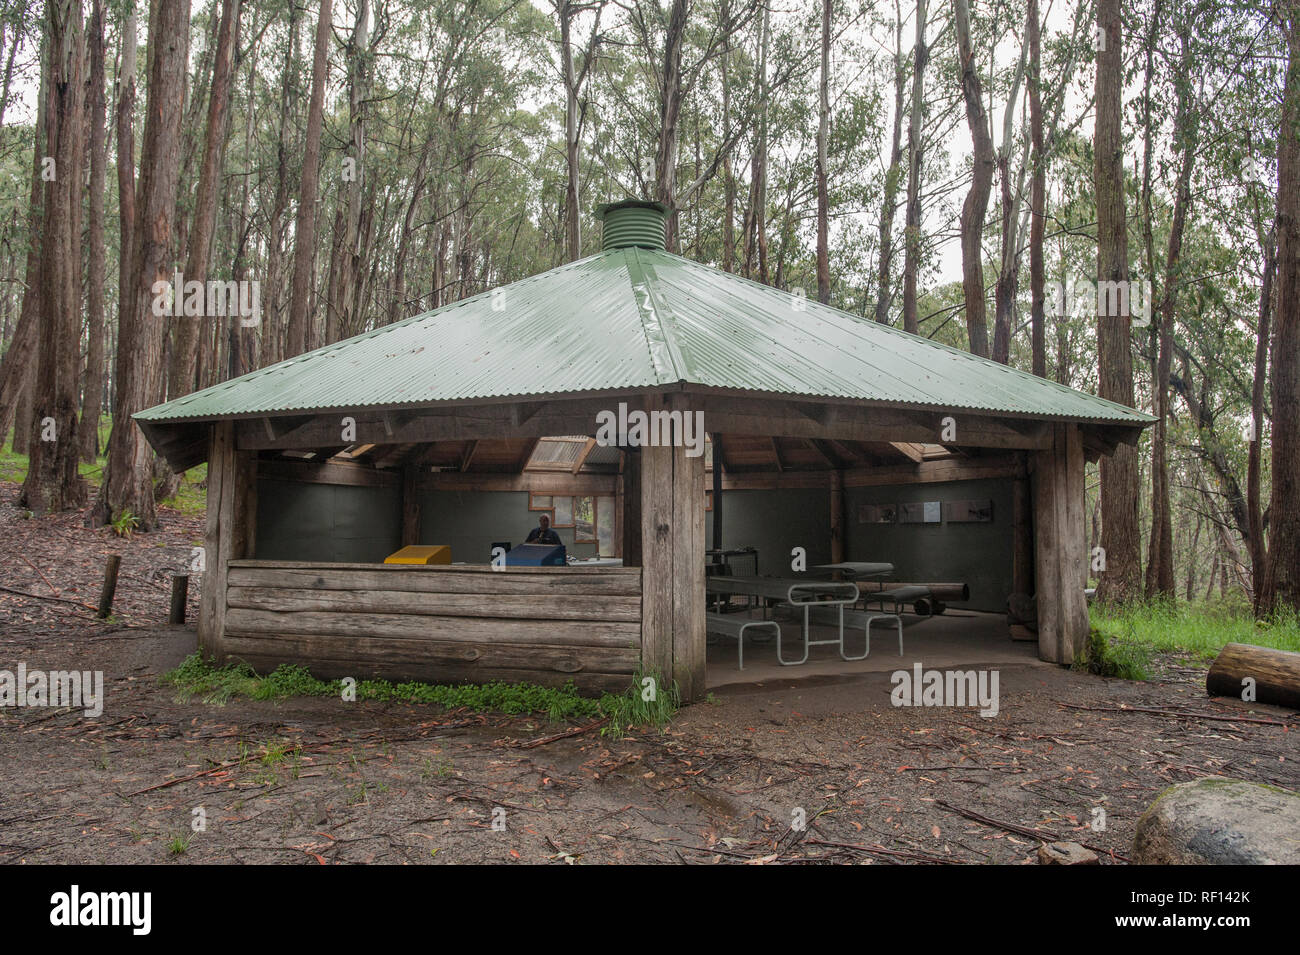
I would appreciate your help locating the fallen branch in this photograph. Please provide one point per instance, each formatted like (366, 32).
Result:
(66, 600)
(1038, 834)
(41, 572)
(881, 850)
(543, 740)
(1178, 713)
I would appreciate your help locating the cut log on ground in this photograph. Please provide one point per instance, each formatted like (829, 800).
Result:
(1276, 675)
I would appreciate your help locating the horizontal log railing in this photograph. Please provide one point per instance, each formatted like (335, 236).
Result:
(463, 623)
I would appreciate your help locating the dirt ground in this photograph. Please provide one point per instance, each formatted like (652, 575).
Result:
(728, 782)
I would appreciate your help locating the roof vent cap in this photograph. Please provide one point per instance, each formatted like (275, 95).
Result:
(632, 223)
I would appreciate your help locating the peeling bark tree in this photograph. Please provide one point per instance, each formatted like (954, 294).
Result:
(1037, 196)
(128, 485)
(976, 206)
(1160, 551)
(304, 242)
(1121, 580)
(93, 383)
(912, 232)
(53, 482)
(823, 134)
(1281, 586)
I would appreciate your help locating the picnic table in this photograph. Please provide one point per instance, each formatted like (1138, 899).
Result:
(798, 592)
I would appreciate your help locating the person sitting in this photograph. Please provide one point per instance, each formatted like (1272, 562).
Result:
(542, 533)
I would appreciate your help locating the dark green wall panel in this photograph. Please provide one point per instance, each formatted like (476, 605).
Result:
(327, 522)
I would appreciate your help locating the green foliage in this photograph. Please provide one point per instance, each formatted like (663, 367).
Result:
(196, 677)
(1199, 629)
(1105, 656)
(125, 524)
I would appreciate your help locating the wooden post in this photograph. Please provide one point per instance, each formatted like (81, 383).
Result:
(688, 546)
(109, 588)
(716, 440)
(663, 494)
(231, 528)
(410, 506)
(837, 516)
(1022, 530)
(180, 594)
(1060, 546)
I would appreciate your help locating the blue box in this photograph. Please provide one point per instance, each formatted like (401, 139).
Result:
(536, 555)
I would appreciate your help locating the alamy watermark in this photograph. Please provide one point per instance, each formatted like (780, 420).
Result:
(211, 299)
(75, 907)
(955, 688)
(1110, 299)
(75, 689)
(649, 429)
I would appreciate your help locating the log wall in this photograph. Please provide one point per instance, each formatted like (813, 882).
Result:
(545, 625)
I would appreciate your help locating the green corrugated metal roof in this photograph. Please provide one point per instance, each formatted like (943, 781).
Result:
(634, 319)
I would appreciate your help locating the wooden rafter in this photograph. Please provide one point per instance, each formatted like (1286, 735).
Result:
(470, 448)
(582, 455)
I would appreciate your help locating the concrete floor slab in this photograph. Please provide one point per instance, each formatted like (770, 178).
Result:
(957, 638)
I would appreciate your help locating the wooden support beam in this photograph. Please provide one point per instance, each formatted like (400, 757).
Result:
(776, 455)
(468, 457)
(860, 423)
(1060, 547)
(410, 506)
(527, 454)
(500, 421)
(1022, 531)
(231, 529)
(327, 472)
(837, 516)
(539, 482)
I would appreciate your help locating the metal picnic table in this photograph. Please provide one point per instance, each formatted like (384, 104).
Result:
(859, 570)
(794, 592)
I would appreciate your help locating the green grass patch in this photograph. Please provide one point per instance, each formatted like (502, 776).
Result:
(642, 704)
(1199, 629)
(1120, 657)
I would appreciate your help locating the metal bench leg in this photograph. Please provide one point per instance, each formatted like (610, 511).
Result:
(885, 616)
(804, 659)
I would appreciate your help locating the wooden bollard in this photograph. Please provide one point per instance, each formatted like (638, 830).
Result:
(110, 587)
(180, 593)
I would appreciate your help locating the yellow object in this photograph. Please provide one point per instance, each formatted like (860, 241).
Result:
(421, 554)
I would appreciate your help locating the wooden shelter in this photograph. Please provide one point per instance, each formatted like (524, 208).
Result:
(794, 395)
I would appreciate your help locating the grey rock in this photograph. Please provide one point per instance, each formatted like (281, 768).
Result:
(1219, 821)
(1065, 853)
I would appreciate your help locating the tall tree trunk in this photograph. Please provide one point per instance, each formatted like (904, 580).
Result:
(1037, 196)
(977, 200)
(16, 367)
(1258, 395)
(572, 231)
(1160, 552)
(823, 134)
(912, 232)
(53, 482)
(670, 107)
(889, 201)
(185, 329)
(1119, 472)
(728, 172)
(1281, 587)
(304, 242)
(92, 391)
(128, 485)
(345, 262)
